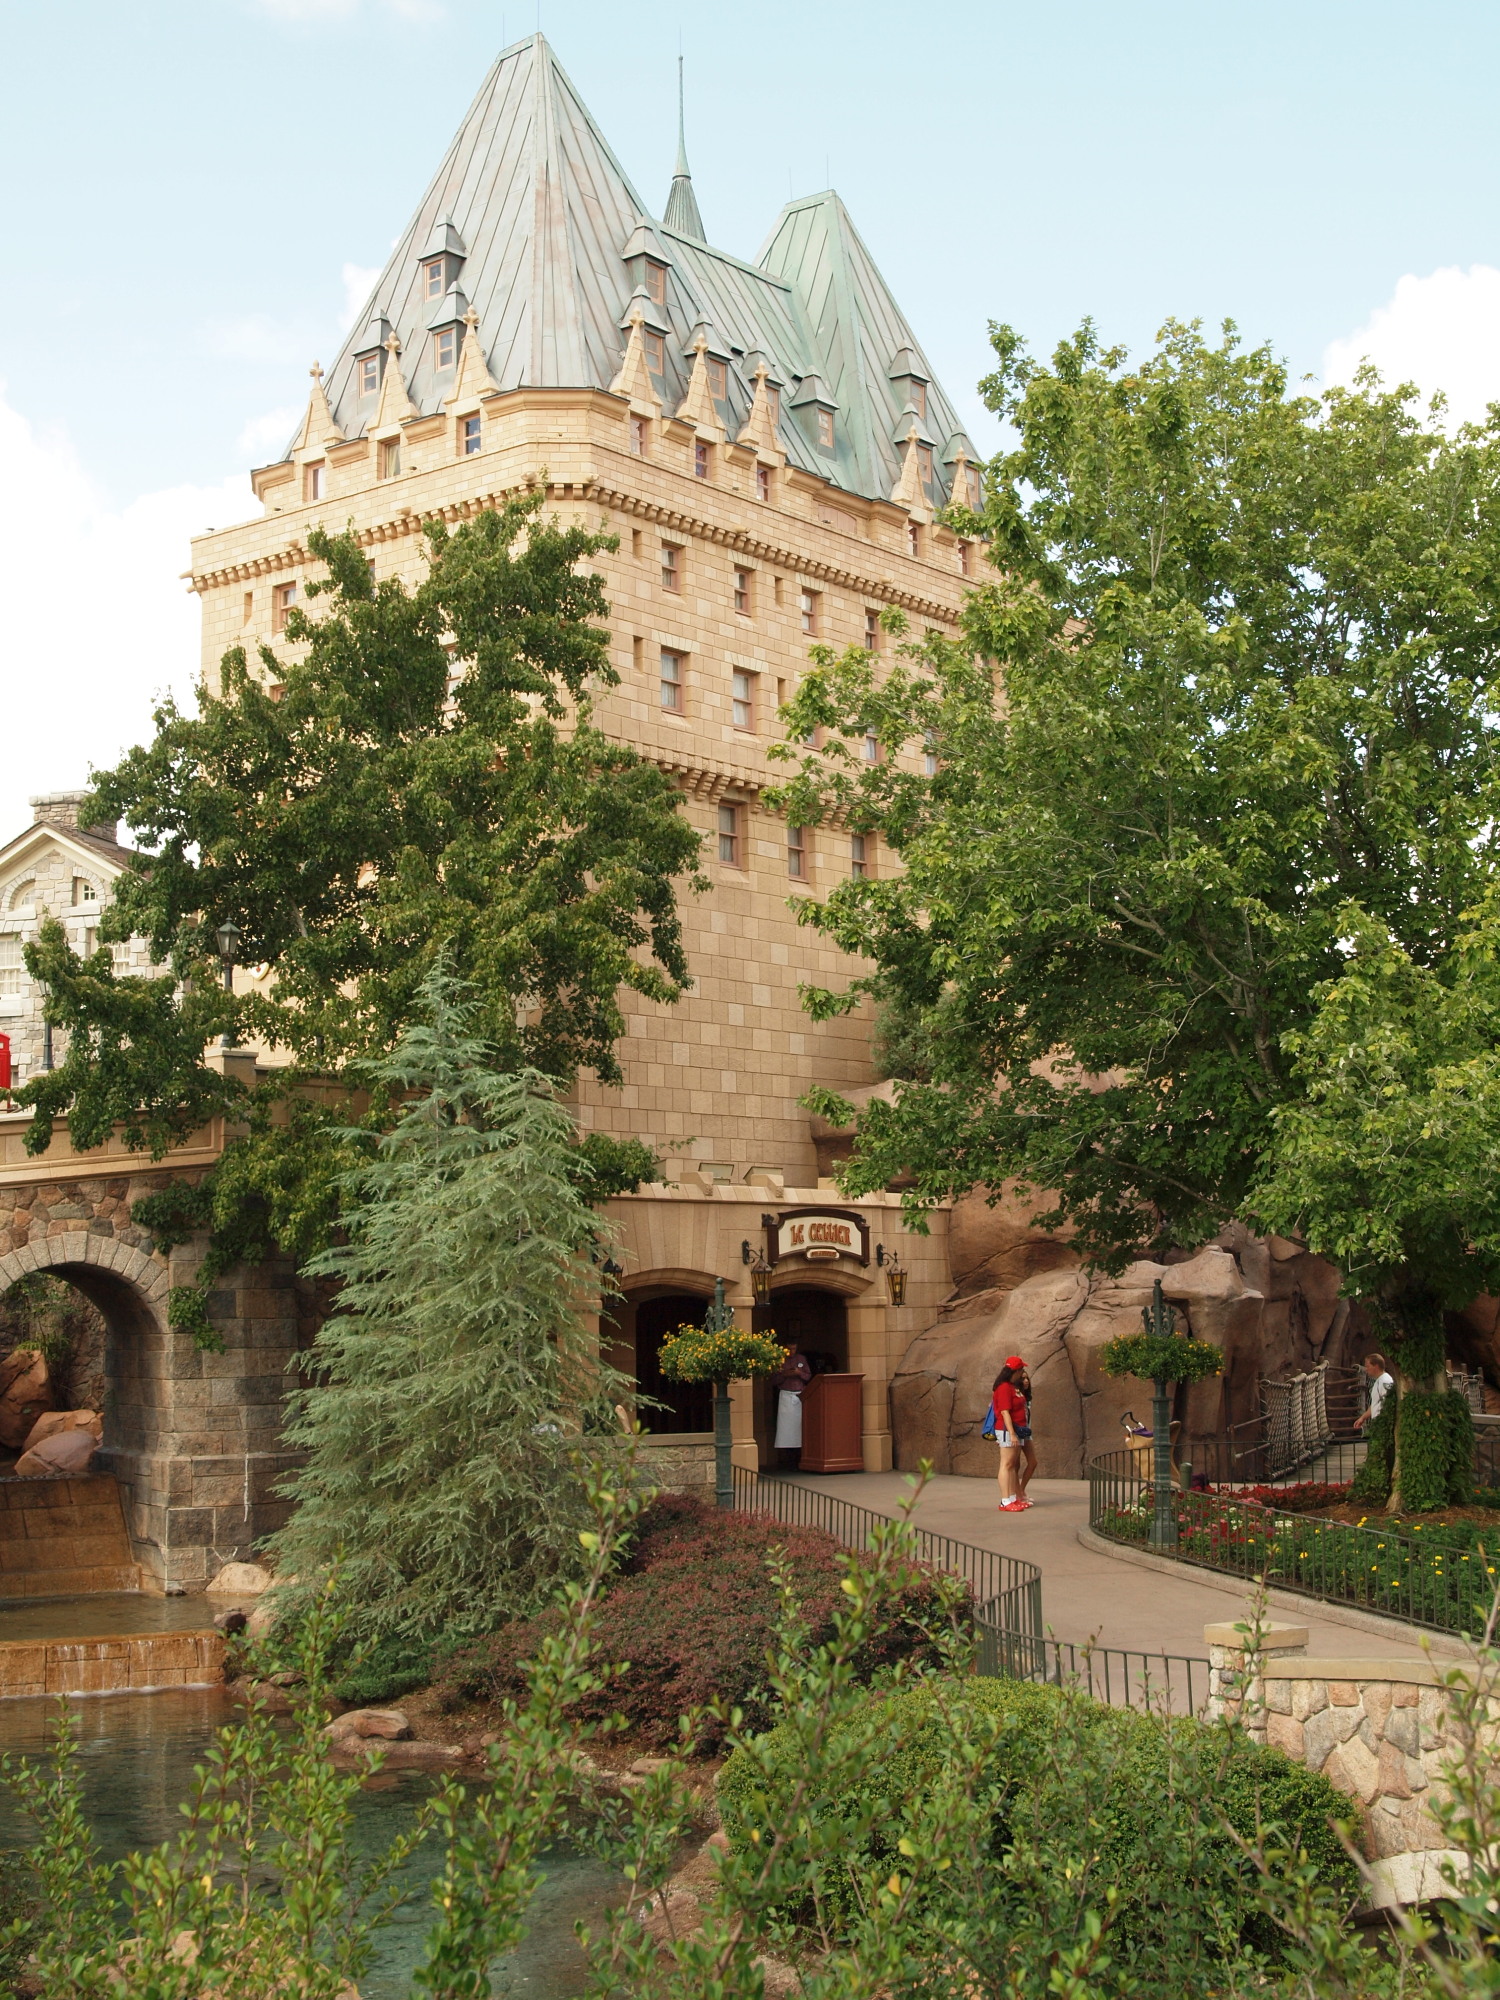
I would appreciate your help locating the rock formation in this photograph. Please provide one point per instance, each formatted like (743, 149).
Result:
(25, 1394)
(1266, 1304)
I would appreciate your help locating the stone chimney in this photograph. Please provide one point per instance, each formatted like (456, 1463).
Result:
(61, 809)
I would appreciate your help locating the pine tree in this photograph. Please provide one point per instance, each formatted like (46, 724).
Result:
(453, 1393)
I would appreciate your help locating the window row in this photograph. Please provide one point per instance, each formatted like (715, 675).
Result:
(747, 586)
(850, 854)
(468, 438)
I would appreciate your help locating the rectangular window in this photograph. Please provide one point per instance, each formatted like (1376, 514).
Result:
(773, 401)
(872, 630)
(635, 541)
(742, 592)
(872, 747)
(743, 690)
(702, 459)
(84, 893)
(963, 558)
(671, 681)
(470, 437)
(638, 654)
(762, 482)
(12, 966)
(249, 610)
(825, 429)
(656, 282)
(434, 275)
(859, 856)
(390, 458)
(656, 353)
(913, 539)
(924, 463)
(283, 597)
(810, 610)
(445, 347)
(638, 436)
(729, 835)
(369, 374)
(312, 480)
(919, 397)
(90, 943)
(796, 853)
(671, 566)
(718, 380)
(929, 755)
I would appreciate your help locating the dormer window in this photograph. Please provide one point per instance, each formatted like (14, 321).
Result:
(919, 397)
(718, 379)
(84, 893)
(433, 275)
(369, 374)
(656, 353)
(825, 430)
(773, 403)
(656, 281)
(445, 348)
(924, 463)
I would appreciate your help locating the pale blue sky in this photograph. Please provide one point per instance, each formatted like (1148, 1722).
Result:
(187, 179)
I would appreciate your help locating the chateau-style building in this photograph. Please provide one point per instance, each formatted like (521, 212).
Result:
(772, 450)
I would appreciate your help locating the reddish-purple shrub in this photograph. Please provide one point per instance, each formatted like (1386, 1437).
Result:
(1306, 1498)
(692, 1611)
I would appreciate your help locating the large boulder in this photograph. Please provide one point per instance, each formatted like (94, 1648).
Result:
(239, 1579)
(25, 1395)
(995, 1245)
(64, 1420)
(63, 1452)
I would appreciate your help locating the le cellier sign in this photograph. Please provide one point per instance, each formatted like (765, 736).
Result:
(817, 1236)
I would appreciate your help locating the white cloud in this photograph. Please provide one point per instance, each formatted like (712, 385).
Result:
(253, 337)
(1441, 332)
(98, 620)
(265, 437)
(359, 282)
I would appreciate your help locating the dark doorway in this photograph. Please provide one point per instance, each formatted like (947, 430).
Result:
(688, 1406)
(817, 1322)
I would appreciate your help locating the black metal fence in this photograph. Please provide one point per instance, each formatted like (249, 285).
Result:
(1431, 1576)
(1008, 1606)
(1006, 1589)
(1231, 1461)
(1176, 1683)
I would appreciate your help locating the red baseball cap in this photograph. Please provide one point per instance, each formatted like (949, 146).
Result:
(1014, 1361)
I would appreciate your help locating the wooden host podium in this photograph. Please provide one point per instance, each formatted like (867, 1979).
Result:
(831, 1424)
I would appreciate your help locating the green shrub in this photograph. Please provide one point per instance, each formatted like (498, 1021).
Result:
(385, 1670)
(1066, 1785)
(20, 1915)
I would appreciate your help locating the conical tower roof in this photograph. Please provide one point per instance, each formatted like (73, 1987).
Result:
(543, 236)
(682, 204)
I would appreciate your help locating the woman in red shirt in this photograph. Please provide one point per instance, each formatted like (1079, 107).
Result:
(1009, 1405)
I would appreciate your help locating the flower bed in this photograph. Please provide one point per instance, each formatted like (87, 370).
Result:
(1442, 1575)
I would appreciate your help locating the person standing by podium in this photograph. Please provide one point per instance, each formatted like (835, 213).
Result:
(790, 1379)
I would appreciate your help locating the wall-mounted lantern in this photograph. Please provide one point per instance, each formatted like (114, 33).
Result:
(895, 1274)
(760, 1272)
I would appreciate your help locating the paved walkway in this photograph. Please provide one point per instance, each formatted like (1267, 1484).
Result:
(1086, 1594)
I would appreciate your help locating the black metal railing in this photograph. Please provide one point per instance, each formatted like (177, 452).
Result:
(1006, 1589)
(1425, 1576)
(1233, 1461)
(1174, 1682)
(1008, 1606)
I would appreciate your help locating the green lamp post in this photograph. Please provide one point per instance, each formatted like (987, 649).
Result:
(719, 1352)
(1162, 1356)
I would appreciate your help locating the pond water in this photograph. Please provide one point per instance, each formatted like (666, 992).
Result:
(104, 1614)
(138, 1753)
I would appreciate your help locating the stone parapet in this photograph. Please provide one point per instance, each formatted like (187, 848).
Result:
(680, 1465)
(1382, 1731)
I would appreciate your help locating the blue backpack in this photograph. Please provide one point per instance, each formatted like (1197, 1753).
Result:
(988, 1427)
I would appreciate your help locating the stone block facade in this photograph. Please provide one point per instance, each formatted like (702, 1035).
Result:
(1382, 1731)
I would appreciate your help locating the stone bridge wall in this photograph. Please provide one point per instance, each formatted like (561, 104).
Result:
(192, 1437)
(1381, 1730)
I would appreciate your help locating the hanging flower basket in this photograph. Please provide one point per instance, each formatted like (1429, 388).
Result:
(708, 1354)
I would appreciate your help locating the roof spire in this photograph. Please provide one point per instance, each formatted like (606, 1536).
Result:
(682, 204)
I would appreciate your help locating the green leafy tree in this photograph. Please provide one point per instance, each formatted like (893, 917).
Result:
(1248, 642)
(451, 1394)
(1389, 1162)
(415, 778)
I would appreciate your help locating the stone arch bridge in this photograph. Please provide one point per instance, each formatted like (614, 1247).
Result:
(193, 1438)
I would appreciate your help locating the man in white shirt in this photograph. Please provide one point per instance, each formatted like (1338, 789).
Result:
(1381, 1385)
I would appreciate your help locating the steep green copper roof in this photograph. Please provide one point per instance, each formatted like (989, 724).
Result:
(540, 225)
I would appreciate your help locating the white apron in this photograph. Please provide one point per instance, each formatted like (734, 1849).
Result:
(789, 1420)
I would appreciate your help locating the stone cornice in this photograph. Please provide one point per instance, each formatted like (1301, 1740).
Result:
(408, 521)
